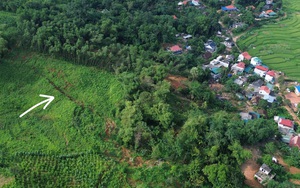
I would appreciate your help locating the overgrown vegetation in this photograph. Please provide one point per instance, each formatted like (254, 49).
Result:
(116, 121)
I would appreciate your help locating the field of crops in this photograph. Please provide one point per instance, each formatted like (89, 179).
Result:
(85, 98)
(277, 44)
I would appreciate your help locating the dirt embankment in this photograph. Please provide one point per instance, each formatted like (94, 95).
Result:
(250, 167)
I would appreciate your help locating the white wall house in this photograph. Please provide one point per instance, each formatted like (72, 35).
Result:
(243, 56)
(255, 61)
(238, 67)
(260, 70)
(264, 91)
(270, 77)
(285, 123)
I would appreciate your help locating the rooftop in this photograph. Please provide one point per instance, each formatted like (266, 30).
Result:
(175, 48)
(246, 55)
(271, 73)
(241, 65)
(286, 122)
(261, 68)
(295, 141)
(265, 88)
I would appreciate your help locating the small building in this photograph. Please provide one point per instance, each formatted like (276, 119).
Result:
(255, 86)
(176, 49)
(240, 96)
(248, 69)
(229, 8)
(264, 174)
(255, 61)
(238, 67)
(245, 116)
(269, 2)
(286, 123)
(238, 82)
(260, 70)
(287, 136)
(264, 91)
(267, 13)
(295, 142)
(195, 3)
(297, 90)
(270, 86)
(270, 77)
(210, 46)
(229, 57)
(187, 36)
(243, 56)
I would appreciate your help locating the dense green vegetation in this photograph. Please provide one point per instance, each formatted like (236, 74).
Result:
(115, 120)
(276, 43)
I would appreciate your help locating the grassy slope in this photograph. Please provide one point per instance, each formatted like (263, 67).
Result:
(23, 78)
(277, 44)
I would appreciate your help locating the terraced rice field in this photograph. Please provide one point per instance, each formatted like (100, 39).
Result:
(277, 44)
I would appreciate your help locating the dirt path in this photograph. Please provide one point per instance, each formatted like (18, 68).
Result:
(5, 180)
(290, 169)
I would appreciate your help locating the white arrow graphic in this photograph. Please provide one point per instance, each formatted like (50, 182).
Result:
(48, 101)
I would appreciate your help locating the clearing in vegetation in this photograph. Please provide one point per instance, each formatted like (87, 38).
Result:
(277, 43)
(85, 98)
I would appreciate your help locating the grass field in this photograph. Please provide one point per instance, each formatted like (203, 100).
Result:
(277, 44)
(85, 98)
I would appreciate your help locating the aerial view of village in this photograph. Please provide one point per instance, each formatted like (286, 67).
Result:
(137, 93)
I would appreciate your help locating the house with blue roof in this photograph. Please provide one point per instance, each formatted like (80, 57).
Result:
(297, 90)
(229, 8)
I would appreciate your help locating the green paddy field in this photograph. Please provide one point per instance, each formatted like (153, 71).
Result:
(277, 44)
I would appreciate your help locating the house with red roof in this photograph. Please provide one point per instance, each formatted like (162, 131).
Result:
(176, 49)
(264, 90)
(286, 123)
(238, 67)
(270, 76)
(260, 70)
(295, 142)
(243, 56)
(266, 94)
(229, 8)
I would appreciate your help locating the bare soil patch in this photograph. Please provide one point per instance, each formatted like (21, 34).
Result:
(294, 181)
(5, 180)
(249, 168)
(216, 87)
(110, 126)
(293, 98)
(177, 81)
